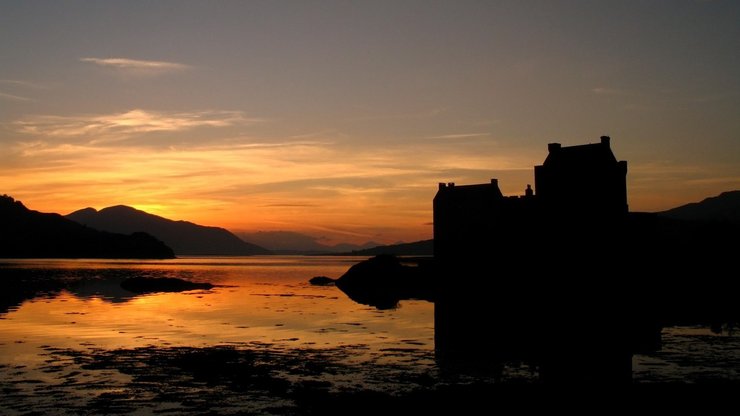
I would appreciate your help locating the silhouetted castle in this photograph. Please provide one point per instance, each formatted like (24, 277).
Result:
(540, 274)
(583, 186)
(582, 180)
(566, 278)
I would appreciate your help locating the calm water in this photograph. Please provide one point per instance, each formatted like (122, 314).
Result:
(257, 299)
(81, 338)
(266, 299)
(260, 304)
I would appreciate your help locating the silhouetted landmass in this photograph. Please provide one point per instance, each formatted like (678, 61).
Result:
(32, 234)
(417, 248)
(290, 242)
(184, 237)
(345, 247)
(20, 285)
(722, 208)
(161, 284)
(383, 281)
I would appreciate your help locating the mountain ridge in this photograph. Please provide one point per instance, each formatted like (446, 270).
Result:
(292, 242)
(185, 237)
(32, 234)
(414, 248)
(724, 207)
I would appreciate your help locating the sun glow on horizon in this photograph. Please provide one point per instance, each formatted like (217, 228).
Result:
(316, 187)
(343, 193)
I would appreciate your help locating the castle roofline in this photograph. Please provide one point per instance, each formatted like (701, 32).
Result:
(580, 153)
(473, 189)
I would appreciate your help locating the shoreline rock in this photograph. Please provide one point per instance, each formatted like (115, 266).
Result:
(322, 281)
(382, 281)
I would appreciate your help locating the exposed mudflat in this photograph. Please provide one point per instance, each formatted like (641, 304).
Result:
(226, 379)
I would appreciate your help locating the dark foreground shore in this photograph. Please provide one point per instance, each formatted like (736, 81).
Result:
(227, 379)
(263, 378)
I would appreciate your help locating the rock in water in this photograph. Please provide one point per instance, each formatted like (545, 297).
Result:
(322, 281)
(382, 281)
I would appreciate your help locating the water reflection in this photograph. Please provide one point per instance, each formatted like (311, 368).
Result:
(71, 337)
(19, 285)
(255, 299)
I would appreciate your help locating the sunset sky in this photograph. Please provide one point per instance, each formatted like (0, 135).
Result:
(337, 119)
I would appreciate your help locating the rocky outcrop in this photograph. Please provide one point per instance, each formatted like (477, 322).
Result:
(322, 281)
(383, 281)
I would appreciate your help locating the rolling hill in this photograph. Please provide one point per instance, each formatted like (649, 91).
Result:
(724, 207)
(32, 234)
(184, 237)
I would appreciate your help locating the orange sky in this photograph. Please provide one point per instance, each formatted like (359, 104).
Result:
(339, 121)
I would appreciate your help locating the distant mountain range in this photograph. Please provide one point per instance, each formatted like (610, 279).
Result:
(32, 234)
(125, 232)
(722, 208)
(290, 242)
(417, 248)
(184, 237)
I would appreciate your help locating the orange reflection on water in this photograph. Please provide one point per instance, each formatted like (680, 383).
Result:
(257, 299)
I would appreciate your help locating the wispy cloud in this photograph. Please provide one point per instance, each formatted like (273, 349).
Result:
(289, 205)
(15, 85)
(118, 126)
(322, 134)
(434, 112)
(459, 136)
(609, 91)
(20, 83)
(137, 65)
(13, 97)
(732, 181)
(251, 183)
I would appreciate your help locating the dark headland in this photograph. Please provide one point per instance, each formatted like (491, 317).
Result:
(32, 234)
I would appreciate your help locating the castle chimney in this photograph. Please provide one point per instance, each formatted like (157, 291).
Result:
(451, 184)
(529, 191)
(441, 185)
(494, 182)
(553, 147)
(605, 140)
